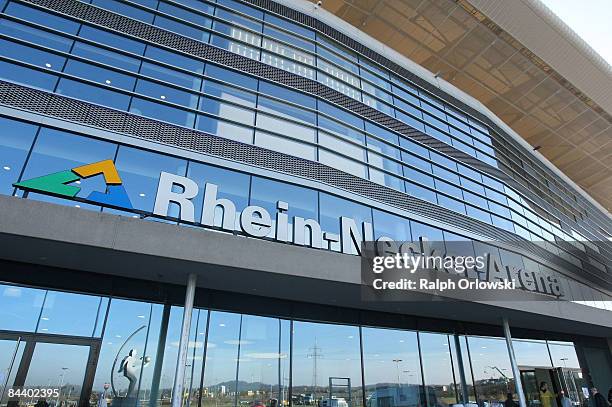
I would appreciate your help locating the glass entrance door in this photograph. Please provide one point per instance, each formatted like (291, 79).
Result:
(46, 370)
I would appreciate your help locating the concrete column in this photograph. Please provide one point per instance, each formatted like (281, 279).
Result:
(515, 370)
(464, 390)
(179, 375)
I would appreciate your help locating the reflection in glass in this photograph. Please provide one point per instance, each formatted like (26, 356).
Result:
(140, 171)
(131, 331)
(493, 377)
(70, 314)
(438, 369)
(15, 141)
(324, 354)
(392, 368)
(20, 307)
(219, 389)
(262, 354)
(11, 352)
(58, 366)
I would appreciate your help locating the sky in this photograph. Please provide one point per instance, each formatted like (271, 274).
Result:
(590, 19)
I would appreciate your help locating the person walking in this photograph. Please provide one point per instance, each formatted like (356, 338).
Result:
(598, 399)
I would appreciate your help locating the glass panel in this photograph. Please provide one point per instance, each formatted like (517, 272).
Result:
(183, 29)
(491, 367)
(225, 129)
(353, 164)
(438, 370)
(159, 111)
(124, 9)
(43, 18)
(112, 40)
(321, 353)
(128, 326)
(106, 57)
(285, 145)
(16, 139)
(8, 366)
(238, 19)
(229, 94)
(20, 308)
(302, 202)
(26, 76)
(31, 55)
(563, 354)
(231, 185)
(231, 77)
(393, 226)
(170, 75)
(392, 369)
(227, 111)
(56, 151)
(58, 366)
(93, 94)
(261, 358)
(35, 35)
(102, 76)
(531, 353)
(166, 93)
(289, 26)
(221, 360)
(332, 208)
(245, 44)
(69, 314)
(242, 8)
(174, 58)
(140, 171)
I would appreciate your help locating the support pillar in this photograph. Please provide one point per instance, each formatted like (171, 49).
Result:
(464, 389)
(179, 375)
(515, 370)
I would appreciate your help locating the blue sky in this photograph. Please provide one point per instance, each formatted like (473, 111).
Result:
(591, 19)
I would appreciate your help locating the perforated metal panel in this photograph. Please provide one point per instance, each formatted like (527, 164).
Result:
(65, 108)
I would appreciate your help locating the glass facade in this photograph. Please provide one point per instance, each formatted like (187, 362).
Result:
(242, 359)
(81, 61)
(57, 150)
(117, 351)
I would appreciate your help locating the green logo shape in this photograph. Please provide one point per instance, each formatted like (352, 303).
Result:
(53, 183)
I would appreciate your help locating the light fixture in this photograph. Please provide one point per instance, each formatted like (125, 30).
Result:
(44, 329)
(77, 206)
(45, 318)
(135, 216)
(48, 65)
(78, 182)
(140, 316)
(221, 325)
(6, 168)
(142, 194)
(108, 82)
(162, 97)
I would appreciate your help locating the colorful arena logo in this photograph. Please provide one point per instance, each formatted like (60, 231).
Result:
(57, 184)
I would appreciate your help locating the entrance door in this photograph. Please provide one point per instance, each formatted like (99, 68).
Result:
(53, 370)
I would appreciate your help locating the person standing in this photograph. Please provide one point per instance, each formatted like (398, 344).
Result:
(546, 395)
(598, 399)
(565, 401)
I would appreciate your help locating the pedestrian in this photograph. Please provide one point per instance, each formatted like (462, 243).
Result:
(598, 399)
(546, 395)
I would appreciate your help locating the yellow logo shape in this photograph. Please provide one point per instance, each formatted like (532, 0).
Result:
(106, 167)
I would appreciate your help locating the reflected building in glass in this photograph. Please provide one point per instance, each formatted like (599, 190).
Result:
(268, 128)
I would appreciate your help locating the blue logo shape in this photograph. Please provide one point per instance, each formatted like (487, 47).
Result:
(116, 196)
